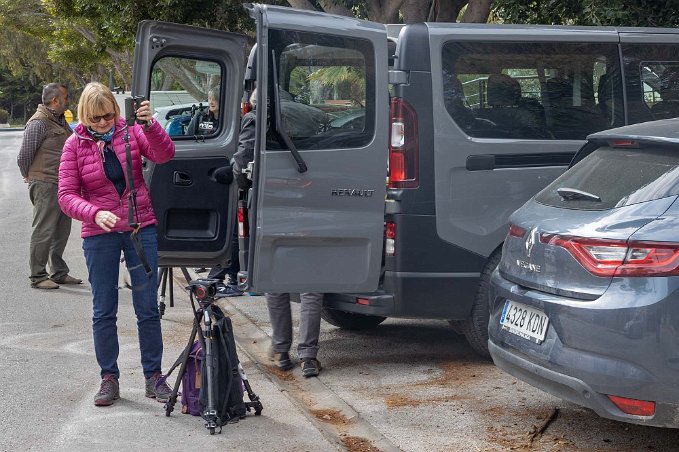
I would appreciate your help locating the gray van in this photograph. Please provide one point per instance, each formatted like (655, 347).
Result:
(466, 121)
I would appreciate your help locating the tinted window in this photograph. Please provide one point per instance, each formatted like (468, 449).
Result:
(652, 78)
(326, 89)
(185, 96)
(532, 90)
(620, 177)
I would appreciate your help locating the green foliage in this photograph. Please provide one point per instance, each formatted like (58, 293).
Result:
(4, 116)
(634, 13)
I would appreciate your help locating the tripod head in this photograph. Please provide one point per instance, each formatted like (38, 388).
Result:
(204, 289)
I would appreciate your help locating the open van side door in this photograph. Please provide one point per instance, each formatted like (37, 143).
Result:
(181, 66)
(317, 217)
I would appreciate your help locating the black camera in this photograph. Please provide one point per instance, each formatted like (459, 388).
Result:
(131, 105)
(204, 290)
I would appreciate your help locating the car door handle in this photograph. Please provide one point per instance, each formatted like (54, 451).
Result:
(181, 178)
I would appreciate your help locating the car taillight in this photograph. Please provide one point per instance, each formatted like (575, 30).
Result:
(390, 242)
(618, 257)
(404, 146)
(243, 227)
(633, 406)
(516, 231)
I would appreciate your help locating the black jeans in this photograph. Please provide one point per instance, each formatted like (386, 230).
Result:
(231, 271)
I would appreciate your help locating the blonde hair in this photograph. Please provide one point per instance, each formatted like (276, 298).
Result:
(93, 102)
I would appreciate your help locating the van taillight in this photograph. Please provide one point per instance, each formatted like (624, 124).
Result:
(404, 148)
(618, 257)
(390, 242)
(243, 227)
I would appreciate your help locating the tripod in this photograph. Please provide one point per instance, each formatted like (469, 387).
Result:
(205, 291)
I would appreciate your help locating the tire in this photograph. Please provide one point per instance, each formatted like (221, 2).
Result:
(457, 325)
(350, 320)
(475, 328)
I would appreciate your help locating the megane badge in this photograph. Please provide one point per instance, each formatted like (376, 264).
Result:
(530, 241)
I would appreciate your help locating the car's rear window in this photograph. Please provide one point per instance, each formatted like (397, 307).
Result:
(619, 177)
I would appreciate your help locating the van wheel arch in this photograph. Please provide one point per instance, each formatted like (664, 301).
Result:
(475, 328)
(350, 320)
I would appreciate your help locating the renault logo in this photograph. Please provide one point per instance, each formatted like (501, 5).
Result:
(530, 241)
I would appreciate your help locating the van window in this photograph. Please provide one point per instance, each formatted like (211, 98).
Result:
(185, 96)
(326, 97)
(651, 173)
(652, 77)
(532, 90)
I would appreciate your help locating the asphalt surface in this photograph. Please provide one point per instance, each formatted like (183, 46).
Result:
(407, 385)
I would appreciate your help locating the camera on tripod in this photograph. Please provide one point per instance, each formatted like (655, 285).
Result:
(131, 106)
(204, 289)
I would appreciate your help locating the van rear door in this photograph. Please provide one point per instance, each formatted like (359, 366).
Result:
(181, 66)
(317, 218)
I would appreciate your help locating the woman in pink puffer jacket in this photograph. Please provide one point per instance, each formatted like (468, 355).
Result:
(93, 189)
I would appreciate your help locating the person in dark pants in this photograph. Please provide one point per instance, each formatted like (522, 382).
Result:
(228, 275)
(38, 160)
(278, 304)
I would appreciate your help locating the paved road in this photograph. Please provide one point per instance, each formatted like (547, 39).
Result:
(409, 385)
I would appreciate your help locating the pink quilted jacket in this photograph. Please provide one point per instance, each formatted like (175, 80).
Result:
(84, 188)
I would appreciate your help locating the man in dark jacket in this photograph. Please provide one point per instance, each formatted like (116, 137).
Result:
(38, 160)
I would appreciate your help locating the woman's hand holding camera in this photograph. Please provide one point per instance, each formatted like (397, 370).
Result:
(144, 112)
(106, 220)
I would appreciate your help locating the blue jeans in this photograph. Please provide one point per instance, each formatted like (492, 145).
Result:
(102, 255)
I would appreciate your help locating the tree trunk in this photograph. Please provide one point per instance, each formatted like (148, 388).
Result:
(415, 11)
(444, 10)
(383, 11)
(477, 11)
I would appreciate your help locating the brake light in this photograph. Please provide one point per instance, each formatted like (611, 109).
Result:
(633, 406)
(516, 231)
(243, 227)
(618, 257)
(390, 242)
(404, 146)
(623, 144)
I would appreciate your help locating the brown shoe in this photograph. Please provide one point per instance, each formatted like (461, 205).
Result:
(45, 284)
(68, 279)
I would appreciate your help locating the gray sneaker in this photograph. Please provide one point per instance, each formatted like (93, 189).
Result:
(109, 391)
(311, 367)
(157, 388)
(282, 361)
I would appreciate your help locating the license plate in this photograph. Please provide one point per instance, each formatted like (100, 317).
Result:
(524, 321)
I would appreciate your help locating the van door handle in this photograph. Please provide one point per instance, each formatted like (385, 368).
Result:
(182, 179)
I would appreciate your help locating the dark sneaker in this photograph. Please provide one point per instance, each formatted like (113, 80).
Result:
(109, 391)
(282, 361)
(157, 388)
(227, 290)
(311, 367)
(200, 270)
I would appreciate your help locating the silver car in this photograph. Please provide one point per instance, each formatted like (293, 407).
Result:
(585, 301)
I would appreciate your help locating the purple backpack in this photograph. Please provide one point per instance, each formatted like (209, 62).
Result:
(191, 381)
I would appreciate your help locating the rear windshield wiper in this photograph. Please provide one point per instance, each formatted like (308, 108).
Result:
(283, 137)
(569, 194)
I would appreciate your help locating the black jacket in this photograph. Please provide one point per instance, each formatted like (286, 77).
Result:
(246, 150)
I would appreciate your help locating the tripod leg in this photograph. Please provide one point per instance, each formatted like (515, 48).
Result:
(171, 288)
(210, 413)
(162, 282)
(169, 405)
